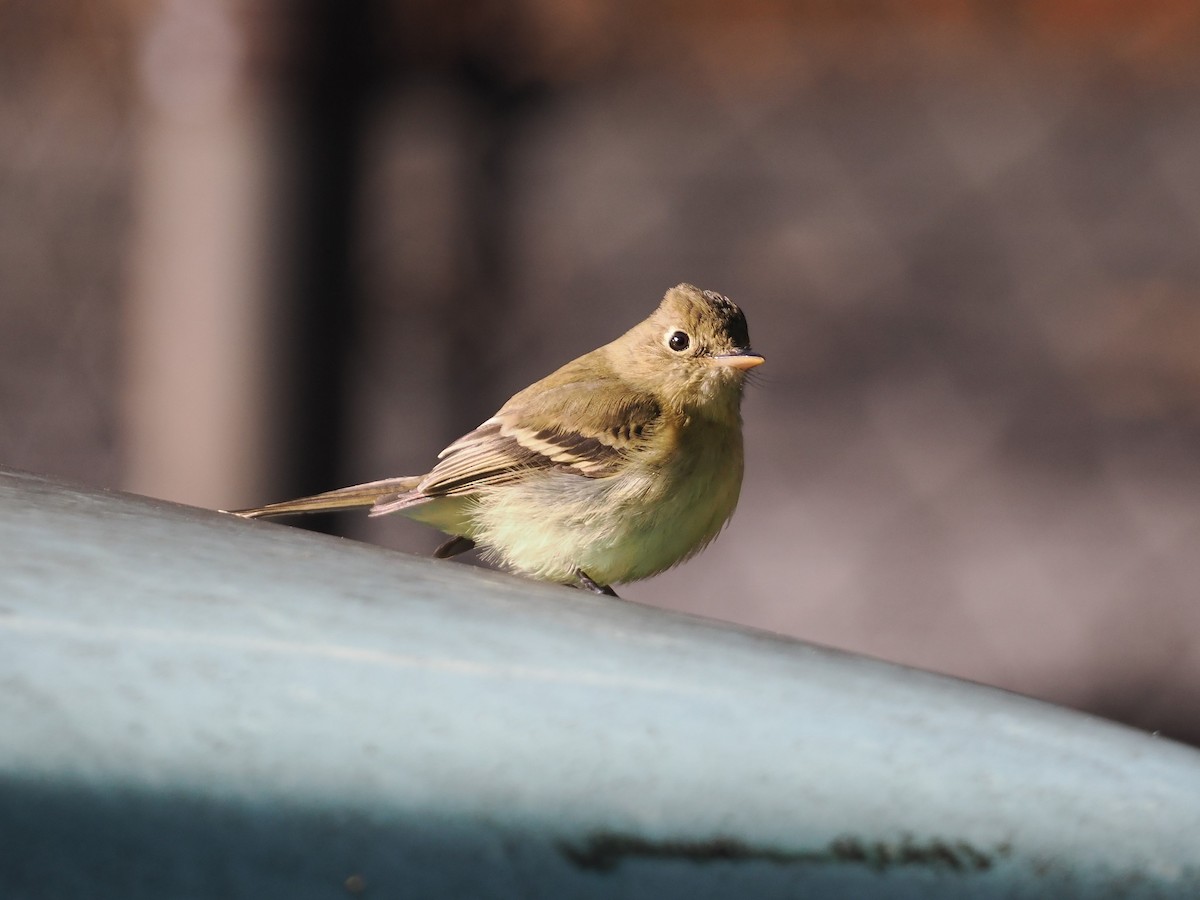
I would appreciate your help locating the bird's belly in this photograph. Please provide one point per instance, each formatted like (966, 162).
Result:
(616, 530)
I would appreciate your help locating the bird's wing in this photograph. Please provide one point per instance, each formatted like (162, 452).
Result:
(530, 433)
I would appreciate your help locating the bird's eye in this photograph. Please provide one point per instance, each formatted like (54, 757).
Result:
(679, 341)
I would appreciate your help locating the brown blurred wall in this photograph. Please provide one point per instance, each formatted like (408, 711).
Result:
(964, 233)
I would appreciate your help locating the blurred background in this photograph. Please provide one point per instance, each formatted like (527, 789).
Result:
(252, 248)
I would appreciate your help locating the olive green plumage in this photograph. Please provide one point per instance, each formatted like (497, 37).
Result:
(615, 467)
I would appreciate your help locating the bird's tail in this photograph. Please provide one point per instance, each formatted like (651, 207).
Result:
(352, 497)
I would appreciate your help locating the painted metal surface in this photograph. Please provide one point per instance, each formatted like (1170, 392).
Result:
(197, 706)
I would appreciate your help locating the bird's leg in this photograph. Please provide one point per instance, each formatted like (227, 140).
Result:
(456, 545)
(586, 581)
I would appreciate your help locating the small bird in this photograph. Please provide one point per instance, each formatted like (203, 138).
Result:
(621, 464)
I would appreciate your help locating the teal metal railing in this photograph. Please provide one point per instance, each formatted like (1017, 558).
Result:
(193, 705)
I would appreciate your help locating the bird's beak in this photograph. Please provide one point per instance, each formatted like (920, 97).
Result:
(741, 361)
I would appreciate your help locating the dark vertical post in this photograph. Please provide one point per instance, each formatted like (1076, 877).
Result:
(332, 80)
(499, 110)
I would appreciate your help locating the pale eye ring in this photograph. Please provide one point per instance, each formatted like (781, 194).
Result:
(679, 341)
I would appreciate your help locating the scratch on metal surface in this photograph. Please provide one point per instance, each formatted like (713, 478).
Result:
(605, 851)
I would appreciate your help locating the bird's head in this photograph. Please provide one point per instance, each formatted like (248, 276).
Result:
(693, 351)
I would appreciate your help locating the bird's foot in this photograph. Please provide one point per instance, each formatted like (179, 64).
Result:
(453, 547)
(585, 581)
